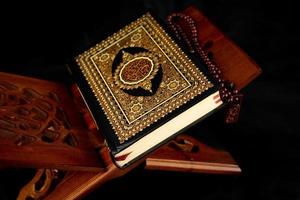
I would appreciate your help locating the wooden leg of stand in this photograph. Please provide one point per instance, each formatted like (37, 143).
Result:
(38, 187)
(78, 184)
(74, 185)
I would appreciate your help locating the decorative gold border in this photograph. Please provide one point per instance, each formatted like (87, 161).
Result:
(124, 128)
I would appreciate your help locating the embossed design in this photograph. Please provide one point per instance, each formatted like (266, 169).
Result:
(136, 107)
(104, 57)
(173, 85)
(188, 81)
(136, 71)
(136, 37)
(27, 116)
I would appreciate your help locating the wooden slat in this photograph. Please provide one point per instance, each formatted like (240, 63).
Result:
(203, 159)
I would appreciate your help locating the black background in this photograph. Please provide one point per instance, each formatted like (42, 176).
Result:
(36, 40)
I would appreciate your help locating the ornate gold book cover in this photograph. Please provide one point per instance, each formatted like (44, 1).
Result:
(140, 78)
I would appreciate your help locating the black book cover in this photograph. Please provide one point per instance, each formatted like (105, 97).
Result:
(130, 49)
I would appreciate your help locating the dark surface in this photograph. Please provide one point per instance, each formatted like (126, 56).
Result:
(265, 142)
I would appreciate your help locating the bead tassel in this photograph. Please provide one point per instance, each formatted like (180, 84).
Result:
(187, 32)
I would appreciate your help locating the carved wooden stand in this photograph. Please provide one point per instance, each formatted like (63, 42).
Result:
(40, 128)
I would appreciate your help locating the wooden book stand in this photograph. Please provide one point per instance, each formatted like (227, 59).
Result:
(40, 128)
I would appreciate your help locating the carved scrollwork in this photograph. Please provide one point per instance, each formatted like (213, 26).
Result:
(28, 116)
(41, 184)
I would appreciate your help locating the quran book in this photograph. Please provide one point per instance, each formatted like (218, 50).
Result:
(143, 88)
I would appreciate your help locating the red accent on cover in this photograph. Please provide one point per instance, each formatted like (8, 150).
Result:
(122, 157)
(217, 100)
(216, 96)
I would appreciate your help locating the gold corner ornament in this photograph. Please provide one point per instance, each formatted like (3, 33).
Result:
(136, 71)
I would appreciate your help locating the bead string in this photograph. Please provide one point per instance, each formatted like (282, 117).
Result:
(186, 31)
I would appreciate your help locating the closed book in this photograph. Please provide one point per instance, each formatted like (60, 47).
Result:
(143, 88)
